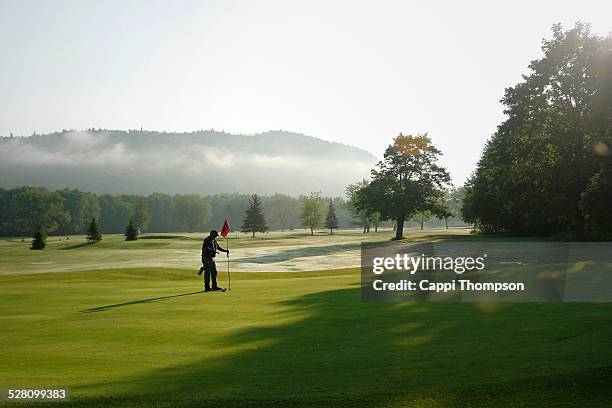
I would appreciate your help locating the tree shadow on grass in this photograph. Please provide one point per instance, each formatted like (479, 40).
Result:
(289, 254)
(136, 302)
(333, 349)
(77, 246)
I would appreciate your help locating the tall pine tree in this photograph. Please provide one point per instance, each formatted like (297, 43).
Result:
(254, 219)
(131, 233)
(93, 232)
(38, 241)
(331, 220)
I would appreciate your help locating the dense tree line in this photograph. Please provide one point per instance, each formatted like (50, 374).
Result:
(24, 209)
(548, 168)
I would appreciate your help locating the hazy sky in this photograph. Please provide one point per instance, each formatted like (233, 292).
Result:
(352, 72)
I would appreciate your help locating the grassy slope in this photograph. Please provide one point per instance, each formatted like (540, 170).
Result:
(144, 337)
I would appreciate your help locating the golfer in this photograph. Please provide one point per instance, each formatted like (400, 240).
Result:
(210, 248)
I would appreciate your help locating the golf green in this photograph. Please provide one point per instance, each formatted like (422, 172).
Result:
(149, 337)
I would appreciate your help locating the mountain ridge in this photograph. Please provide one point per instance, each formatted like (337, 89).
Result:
(206, 162)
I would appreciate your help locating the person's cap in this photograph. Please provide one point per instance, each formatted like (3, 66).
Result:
(214, 233)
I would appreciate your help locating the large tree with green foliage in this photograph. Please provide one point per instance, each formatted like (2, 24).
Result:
(254, 219)
(312, 211)
(408, 181)
(31, 208)
(544, 169)
(284, 209)
(361, 216)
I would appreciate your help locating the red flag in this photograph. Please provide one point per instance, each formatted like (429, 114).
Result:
(226, 229)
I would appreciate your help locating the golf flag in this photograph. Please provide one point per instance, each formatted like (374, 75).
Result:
(226, 229)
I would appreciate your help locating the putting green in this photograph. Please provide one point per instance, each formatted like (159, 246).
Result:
(147, 337)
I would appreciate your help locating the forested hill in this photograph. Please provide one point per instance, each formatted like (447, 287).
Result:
(203, 162)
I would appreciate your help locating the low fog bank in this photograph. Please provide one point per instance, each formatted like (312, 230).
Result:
(206, 162)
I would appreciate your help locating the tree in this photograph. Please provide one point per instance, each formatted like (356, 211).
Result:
(453, 201)
(141, 215)
(254, 219)
(131, 233)
(535, 172)
(375, 220)
(360, 215)
(81, 207)
(422, 217)
(38, 240)
(162, 208)
(93, 232)
(115, 213)
(596, 200)
(312, 211)
(192, 211)
(408, 181)
(285, 211)
(31, 208)
(331, 221)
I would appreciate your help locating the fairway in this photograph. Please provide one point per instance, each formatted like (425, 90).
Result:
(149, 337)
(277, 251)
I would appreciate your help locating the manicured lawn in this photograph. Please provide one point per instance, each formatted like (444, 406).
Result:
(271, 252)
(147, 337)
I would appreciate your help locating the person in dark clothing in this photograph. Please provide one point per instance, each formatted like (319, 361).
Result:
(210, 248)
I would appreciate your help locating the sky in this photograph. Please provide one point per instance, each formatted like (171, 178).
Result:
(353, 72)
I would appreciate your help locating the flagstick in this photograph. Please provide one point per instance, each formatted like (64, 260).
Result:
(229, 280)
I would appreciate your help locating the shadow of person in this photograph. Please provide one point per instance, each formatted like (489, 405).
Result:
(135, 302)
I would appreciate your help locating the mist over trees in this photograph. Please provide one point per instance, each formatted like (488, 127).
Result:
(144, 162)
(548, 168)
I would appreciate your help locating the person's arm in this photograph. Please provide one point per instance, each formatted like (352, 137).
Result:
(222, 249)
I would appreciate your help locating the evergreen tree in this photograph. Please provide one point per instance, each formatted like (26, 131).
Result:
(254, 219)
(331, 220)
(131, 233)
(93, 232)
(38, 241)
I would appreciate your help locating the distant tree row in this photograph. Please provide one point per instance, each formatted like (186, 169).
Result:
(25, 209)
